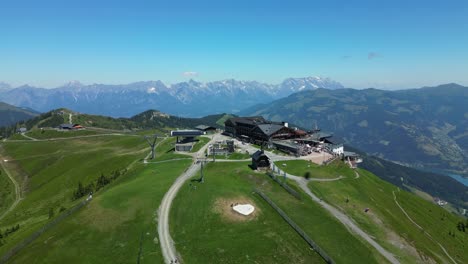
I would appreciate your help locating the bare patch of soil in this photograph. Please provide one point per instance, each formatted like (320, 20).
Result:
(223, 207)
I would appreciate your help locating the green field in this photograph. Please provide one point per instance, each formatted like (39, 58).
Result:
(234, 156)
(7, 191)
(109, 229)
(17, 136)
(205, 230)
(122, 215)
(388, 224)
(52, 133)
(301, 167)
(202, 141)
(49, 172)
(165, 150)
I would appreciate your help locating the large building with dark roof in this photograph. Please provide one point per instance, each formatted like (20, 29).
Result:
(257, 129)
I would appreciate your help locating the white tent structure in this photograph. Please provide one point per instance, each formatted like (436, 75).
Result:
(244, 209)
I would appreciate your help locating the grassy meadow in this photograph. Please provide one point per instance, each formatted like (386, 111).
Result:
(52, 133)
(301, 167)
(234, 156)
(387, 223)
(111, 227)
(202, 141)
(49, 172)
(119, 224)
(205, 229)
(166, 150)
(7, 191)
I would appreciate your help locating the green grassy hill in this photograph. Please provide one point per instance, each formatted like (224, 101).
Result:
(11, 114)
(386, 221)
(209, 232)
(119, 225)
(147, 120)
(389, 224)
(414, 180)
(111, 228)
(419, 127)
(49, 172)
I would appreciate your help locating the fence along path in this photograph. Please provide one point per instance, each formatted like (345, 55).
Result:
(284, 185)
(316, 247)
(39, 232)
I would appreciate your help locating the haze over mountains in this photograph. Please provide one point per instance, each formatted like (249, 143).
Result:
(191, 99)
(424, 127)
(418, 127)
(10, 114)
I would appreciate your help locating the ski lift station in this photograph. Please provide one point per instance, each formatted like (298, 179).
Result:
(185, 139)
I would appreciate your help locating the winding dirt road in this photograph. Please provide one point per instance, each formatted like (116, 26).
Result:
(167, 244)
(344, 219)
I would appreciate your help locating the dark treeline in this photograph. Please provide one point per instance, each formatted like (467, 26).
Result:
(7, 232)
(101, 181)
(53, 120)
(462, 227)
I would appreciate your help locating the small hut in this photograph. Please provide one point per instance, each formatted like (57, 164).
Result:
(260, 160)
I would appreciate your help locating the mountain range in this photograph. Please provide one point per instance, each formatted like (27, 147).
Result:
(425, 128)
(161, 123)
(190, 99)
(11, 114)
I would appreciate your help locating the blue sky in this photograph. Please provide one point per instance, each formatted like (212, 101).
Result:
(383, 44)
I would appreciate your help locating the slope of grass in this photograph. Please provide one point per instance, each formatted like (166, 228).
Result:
(52, 133)
(301, 167)
(166, 150)
(110, 228)
(11, 114)
(234, 156)
(387, 223)
(7, 191)
(223, 119)
(203, 234)
(52, 170)
(17, 136)
(201, 142)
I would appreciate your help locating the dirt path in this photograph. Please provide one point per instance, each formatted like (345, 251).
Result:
(298, 178)
(425, 233)
(70, 116)
(349, 223)
(344, 219)
(357, 175)
(167, 244)
(26, 136)
(17, 190)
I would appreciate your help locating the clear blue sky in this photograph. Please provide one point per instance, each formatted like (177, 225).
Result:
(385, 44)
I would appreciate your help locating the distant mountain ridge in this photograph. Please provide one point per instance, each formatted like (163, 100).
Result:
(10, 115)
(191, 98)
(425, 127)
(146, 120)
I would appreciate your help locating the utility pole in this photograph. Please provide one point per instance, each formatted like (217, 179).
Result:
(152, 142)
(214, 153)
(202, 178)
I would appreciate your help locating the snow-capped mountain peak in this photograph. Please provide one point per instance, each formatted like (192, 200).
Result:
(191, 98)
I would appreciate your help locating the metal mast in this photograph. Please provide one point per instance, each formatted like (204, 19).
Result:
(152, 143)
